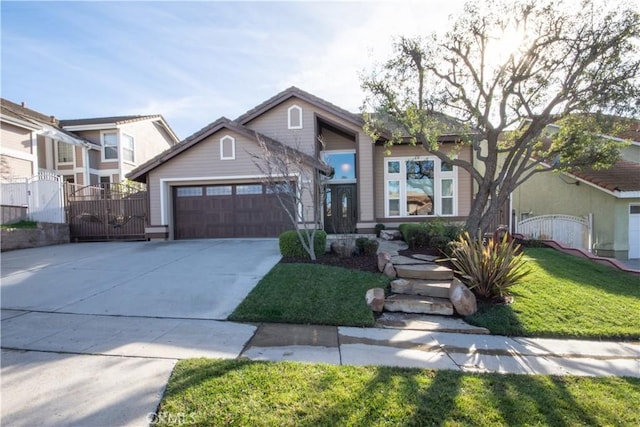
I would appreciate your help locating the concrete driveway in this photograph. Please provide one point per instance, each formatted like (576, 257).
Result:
(91, 332)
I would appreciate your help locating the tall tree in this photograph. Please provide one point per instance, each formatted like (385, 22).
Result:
(506, 65)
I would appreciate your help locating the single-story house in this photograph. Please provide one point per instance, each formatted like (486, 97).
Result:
(209, 185)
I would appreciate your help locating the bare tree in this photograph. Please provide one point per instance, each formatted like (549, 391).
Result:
(508, 65)
(298, 180)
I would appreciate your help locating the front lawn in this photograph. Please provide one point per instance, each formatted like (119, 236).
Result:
(567, 297)
(244, 393)
(309, 293)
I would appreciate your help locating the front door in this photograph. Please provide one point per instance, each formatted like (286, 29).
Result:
(340, 214)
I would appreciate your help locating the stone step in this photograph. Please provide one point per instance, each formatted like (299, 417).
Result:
(428, 288)
(418, 304)
(425, 272)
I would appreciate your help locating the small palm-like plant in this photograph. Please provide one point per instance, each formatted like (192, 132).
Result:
(489, 269)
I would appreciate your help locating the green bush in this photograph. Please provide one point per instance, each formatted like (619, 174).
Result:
(379, 228)
(360, 243)
(415, 234)
(21, 224)
(442, 243)
(290, 245)
(488, 269)
(370, 247)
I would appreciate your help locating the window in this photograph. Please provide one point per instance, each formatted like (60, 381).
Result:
(227, 148)
(71, 179)
(294, 114)
(65, 152)
(249, 189)
(343, 163)
(419, 187)
(219, 190)
(110, 146)
(105, 180)
(128, 149)
(189, 191)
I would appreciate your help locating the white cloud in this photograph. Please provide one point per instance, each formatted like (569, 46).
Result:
(366, 39)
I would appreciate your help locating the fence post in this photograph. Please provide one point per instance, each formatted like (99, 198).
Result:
(590, 232)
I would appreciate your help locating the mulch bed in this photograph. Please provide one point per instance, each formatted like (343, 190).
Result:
(356, 262)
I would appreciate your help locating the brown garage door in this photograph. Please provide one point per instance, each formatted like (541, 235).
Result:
(239, 210)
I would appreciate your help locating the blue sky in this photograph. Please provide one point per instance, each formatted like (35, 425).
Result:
(194, 62)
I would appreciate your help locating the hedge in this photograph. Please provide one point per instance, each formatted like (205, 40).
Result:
(290, 245)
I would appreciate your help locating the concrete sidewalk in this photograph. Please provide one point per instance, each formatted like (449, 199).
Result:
(75, 369)
(442, 350)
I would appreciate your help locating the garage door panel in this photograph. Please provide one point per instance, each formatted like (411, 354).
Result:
(242, 210)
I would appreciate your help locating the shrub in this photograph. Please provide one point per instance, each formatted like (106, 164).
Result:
(371, 247)
(442, 243)
(360, 243)
(415, 234)
(290, 245)
(379, 228)
(489, 270)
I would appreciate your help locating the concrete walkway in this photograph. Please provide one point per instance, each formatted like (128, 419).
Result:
(80, 347)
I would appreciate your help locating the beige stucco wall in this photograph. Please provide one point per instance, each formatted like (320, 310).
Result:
(149, 140)
(18, 168)
(17, 158)
(552, 193)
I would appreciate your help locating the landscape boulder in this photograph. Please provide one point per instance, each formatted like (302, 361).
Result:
(390, 271)
(375, 299)
(390, 234)
(383, 259)
(463, 300)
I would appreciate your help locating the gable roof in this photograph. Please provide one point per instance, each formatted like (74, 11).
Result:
(141, 171)
(622, 176)
(294, 92)
(46, 125)
(78, 124)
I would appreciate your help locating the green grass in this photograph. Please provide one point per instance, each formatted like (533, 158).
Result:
(21, 224)
(569, 297)
(308, 293)
(244, 393)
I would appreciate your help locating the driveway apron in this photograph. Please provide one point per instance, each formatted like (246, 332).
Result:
(91, 332)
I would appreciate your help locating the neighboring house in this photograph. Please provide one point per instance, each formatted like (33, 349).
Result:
(610, 197)
(209, 186)
(84, 151)
(25, 135)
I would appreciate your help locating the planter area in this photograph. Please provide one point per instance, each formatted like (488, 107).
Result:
(44, 234)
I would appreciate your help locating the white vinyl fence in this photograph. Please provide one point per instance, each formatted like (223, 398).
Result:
(42, 194)
(572, 231)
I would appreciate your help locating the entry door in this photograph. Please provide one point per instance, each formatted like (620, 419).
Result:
(634, 231)
(340, 213)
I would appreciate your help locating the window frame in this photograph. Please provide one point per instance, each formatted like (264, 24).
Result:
(355, 166)
(233, 147)
(298, 109)
(103, 134)
(73, 153)
(401, 176)
(126, 149)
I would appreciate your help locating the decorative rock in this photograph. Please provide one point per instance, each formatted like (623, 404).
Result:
(425, 257)
(425, 272)
(390, 271)
(344, 248)
(390, 234)
(405, 260)
(375, 299)
(463, 300)
(383, 259)
(418, 304)
(421, 287)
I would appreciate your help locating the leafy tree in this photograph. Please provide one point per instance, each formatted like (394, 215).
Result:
(506, 65)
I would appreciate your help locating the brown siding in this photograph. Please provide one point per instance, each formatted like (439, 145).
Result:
(95, 156)
(274, 123)
(333, 141)
(201, 163)
(79, 157)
